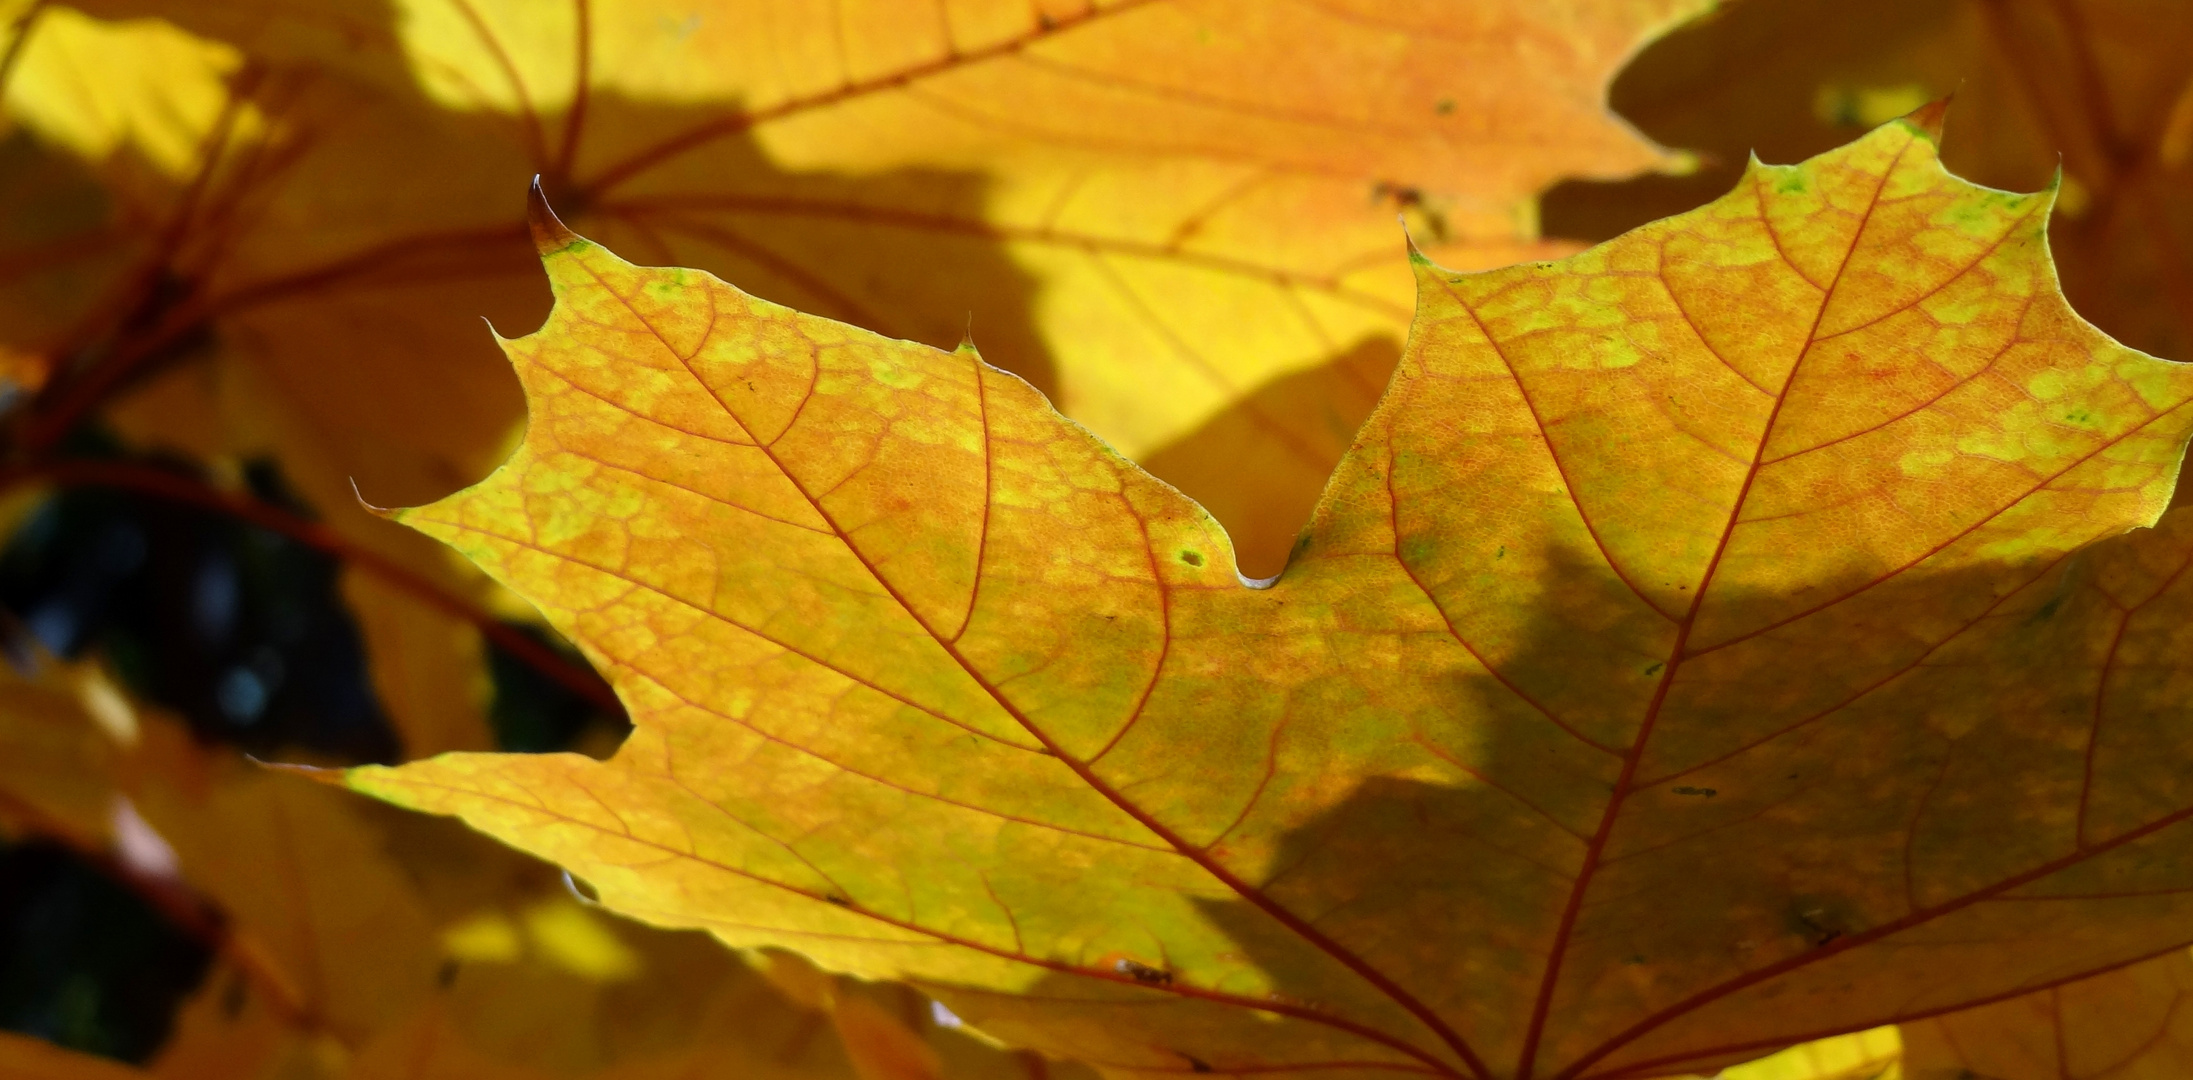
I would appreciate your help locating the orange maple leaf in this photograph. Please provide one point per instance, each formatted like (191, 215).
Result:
(1727, 636)
(1150, 208)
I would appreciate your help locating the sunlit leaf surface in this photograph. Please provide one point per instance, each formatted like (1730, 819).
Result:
(1726, 637)
(1150, 209)
(1873, 1054)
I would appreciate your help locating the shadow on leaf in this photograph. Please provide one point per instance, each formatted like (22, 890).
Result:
(1820, 843)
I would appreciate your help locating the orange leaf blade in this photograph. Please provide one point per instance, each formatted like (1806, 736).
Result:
(1671, 646)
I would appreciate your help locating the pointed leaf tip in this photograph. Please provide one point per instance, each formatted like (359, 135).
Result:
(1417, 258)
(315, 773)
(1928, 118)
(376, 511)
(977, 603)
(549, 233)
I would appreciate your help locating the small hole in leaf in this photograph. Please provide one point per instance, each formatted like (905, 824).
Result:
(1143, 973)
(1192, 558)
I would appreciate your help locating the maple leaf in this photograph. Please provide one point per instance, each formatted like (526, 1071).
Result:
(2097, 88)
(1098, 186)
(1721, 638)
(2129, 1023)
(331, 927)
(354, 941)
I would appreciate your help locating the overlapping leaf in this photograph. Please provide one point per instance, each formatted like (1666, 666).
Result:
(1101, 188)
(2096, 87)
(2131, 1024)
(1874, 1054)
(1725, 637)
(56, 766)
(319, 200)
(358, 943)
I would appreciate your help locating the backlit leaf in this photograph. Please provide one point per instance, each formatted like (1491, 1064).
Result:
(2132, 1024)
(1726, 637)
(355, 942)
(1875, 1054)
(1149, 208)
(2098, 88)
(327, 913)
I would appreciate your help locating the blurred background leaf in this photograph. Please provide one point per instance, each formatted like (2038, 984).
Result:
(2103, 88)
(340, 939)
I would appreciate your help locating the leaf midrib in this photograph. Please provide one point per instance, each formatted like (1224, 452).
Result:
(1193, 853)
(1624, 782)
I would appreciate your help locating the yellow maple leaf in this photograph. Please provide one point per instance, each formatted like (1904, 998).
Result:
(1715, 639)
(1149, 208)
(353, 941)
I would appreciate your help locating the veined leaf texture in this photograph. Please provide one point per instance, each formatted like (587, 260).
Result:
(1739, 632)
(1755, 629)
